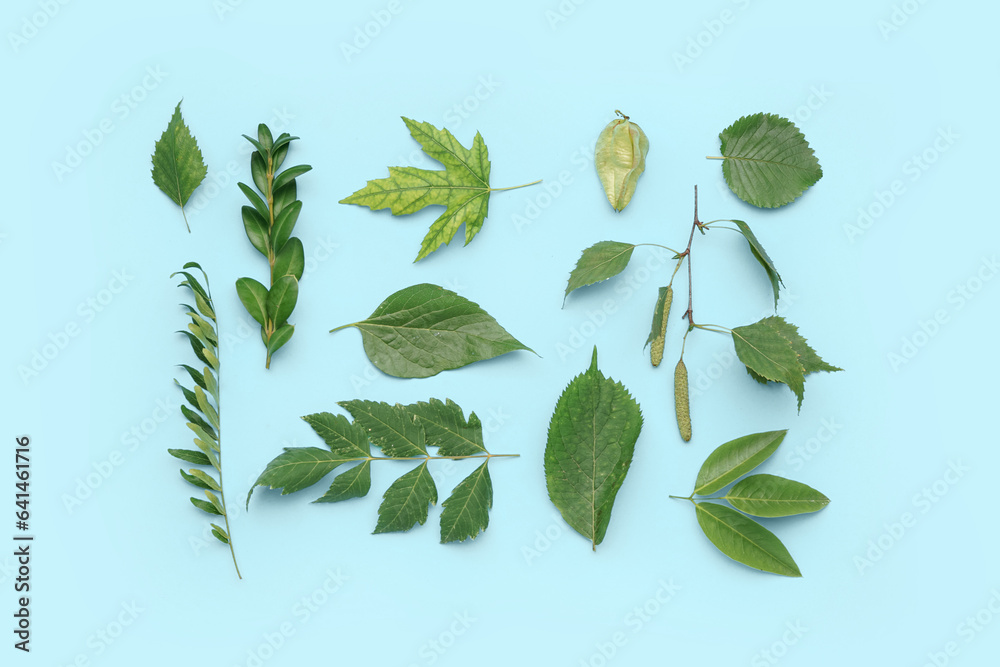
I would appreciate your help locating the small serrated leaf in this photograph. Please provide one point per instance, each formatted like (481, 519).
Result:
(406, 501)
(599, 262)
(446, 427)
(178, 167)
(466, 512)
(298, 468)
(390, 427)
(355, 482)
(341, 435)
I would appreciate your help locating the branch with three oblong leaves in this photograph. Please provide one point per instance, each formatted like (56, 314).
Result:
(269, 222)
(772, 349)
(203, 408)
(402, 433)
(730, 527)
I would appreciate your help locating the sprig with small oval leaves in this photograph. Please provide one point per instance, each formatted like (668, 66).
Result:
(202, 411)
(268, 224)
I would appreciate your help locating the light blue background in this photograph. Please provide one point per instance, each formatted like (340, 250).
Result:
(897, 430)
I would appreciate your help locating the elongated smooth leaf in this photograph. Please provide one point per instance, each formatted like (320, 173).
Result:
(599, 262)
(463, 187)
(198, 378)
(256, 228)
(290, 260)
(353, 483)
(761, 256)
(298, 468)
(288, 175)
(220, 533)
(766, 352)
(744, 540)
(771, 496)
(283, 225)
(281, 299)
(390, 427)
(206, 506)
(424, 329)
(253, 295)
(467, 510)
(341, 435)
(190, 456)
(406, 502)
(194, 417)
(445, 427)
(259, 205)
(591, 440)
(768, 163)
(278, 339)
(191, 479)
(732, 460)
(178, 167)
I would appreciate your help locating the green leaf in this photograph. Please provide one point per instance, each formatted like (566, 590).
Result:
(219, 533)
(732, 460)
(599, 262)
(591, 440)
(810, 361)
(763, 350)
(424, 329)
(767, 161)
(281, 299)
(190, 456)
(290, 260)
(253, 295)
(446, 427)
(259, 205)
(744, 540)
(198, 378)
(298, 468)
(772, 496)
(406, 501)
(466, 512)
(264, 137)
(201, 479)
(204, 437)
(258, 169)
(214, 499)
(206, 408)
(761, 255)
(463, 187)
(205, 506)
(620, 158)
(284, 198)
(355, 482)
(278, 340)
(390, 427)
(212, 385)
(283, 225)
(195, 418)
(178, 168)
(340, 435)
(256, 228)
(289, 175)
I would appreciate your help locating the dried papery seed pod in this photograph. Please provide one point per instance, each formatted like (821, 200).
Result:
(620, 158)
(658, 334)
(681, 404)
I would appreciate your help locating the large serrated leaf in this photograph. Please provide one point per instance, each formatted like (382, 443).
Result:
(390, 427)
(764, 351)
(600, 261)
(446, 427)
(406, 501)
(811, 362)
(591, 441)
(767, 161)
(733, 459)
(424, 329)
(178, 167)
(773, 496)
(341, 435)
(353, 483)
(744, 540)
(467, 510)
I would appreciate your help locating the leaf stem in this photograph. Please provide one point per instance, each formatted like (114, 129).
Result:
(184, 215)
(717, 328)
(690, 498)
(714, 157)
(657, 245)
(344, 326)
(439, 458)
(515, 187)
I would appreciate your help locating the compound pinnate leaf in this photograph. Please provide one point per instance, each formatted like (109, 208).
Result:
(466, 512)
(390, 427)
(600, 261)
(767, 161)
(463, 187)
(761, 256)
(353, 483)
(591, 440)
(424, 329)
(178, 167)
(446, 427)
(406, 501)
(773, 496)
(744, 540)
(733, 459)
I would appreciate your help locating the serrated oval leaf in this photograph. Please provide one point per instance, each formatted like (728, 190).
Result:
(340, 434)
(298, 468)
(390, 427)
(353, 483)
(772, 496)
(256, 229)
(290, 260)
(591, 440)
(406, 501)
(281, 299)
(599, 262)
(466, 512)
(424, 329)
(733, 459)
(253, 295)
(178, 167)
(768, 163)
(766, 352)
(446, 428)
(744, 540)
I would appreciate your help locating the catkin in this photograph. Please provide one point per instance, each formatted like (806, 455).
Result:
(656, 351)
(681, 400)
